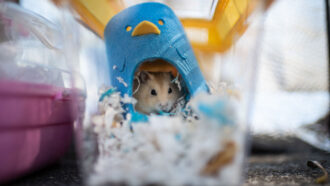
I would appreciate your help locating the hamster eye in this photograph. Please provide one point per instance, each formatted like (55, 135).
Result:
(153, 92)
(169, 90)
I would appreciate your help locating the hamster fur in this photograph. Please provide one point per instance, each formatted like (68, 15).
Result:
(155, 92)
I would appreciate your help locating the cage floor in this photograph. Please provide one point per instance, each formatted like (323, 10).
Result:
(266, 167)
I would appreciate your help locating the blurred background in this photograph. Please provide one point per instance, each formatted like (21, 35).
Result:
(293, 72)
(292, 77)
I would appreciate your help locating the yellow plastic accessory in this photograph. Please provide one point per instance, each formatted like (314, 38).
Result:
(217, 34)
(226, 25)
(96, 14)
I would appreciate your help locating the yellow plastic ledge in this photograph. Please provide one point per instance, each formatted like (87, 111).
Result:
(145, 27)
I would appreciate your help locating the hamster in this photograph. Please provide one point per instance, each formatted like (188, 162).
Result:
(155, 92)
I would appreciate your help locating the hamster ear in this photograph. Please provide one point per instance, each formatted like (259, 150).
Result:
(144, 76)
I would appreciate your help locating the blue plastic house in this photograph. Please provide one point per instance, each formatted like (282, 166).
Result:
(146, 32)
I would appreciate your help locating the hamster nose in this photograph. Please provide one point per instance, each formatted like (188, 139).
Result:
(163, 105)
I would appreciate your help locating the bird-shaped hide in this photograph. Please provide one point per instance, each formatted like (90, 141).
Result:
(145, 32)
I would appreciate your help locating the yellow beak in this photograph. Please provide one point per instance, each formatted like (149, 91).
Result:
(145, 27)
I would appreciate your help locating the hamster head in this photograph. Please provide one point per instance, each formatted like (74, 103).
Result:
(155, 92)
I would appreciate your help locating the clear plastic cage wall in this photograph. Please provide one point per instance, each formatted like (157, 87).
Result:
(36, 92)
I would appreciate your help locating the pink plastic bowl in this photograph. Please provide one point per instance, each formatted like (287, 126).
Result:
(36, 125)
